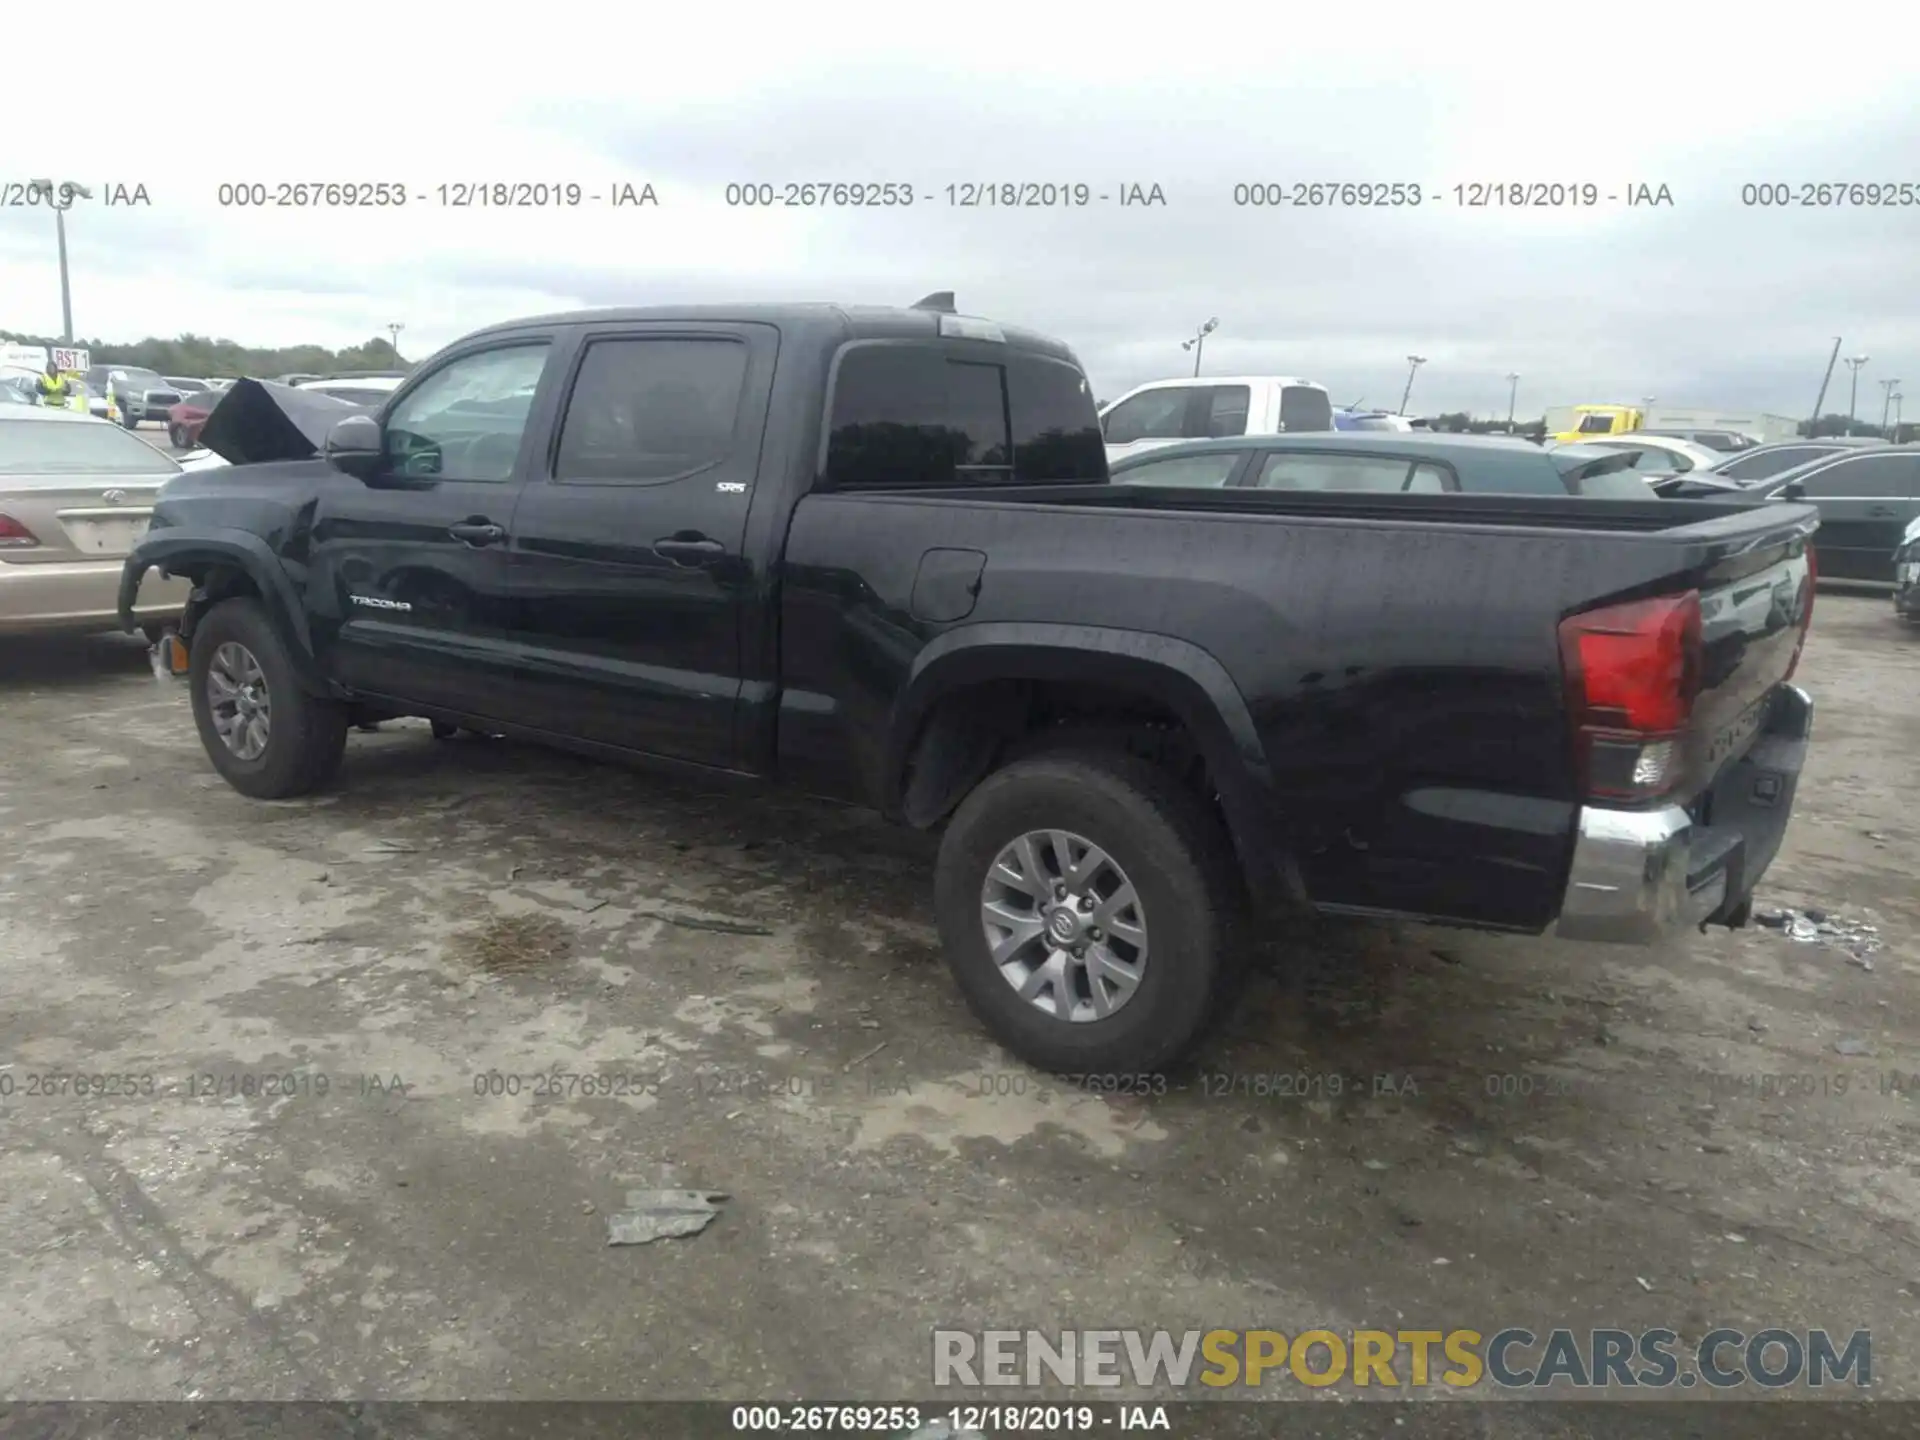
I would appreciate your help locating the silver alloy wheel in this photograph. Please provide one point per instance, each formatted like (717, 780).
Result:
(1064, 925)
(237, 697)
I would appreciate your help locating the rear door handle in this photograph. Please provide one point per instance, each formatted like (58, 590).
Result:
(1882, 510)
(477, 533)
(689, 549)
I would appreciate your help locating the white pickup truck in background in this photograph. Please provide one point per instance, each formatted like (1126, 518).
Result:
(1165, 412)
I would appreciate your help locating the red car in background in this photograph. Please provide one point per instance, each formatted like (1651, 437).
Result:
(185, 419)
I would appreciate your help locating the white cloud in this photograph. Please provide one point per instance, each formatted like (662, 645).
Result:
(1586, 303)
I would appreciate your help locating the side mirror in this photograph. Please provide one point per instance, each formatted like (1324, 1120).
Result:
(354, 446)
(1793, 490)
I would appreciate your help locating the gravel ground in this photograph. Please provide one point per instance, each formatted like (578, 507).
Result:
(756, 982)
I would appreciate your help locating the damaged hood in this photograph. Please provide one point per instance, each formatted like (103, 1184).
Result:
(262, 420)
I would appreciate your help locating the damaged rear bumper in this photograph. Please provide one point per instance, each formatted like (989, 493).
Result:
(1638, 875)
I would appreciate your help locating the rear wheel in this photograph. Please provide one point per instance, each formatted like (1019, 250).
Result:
(266, 735)
(176, 437)
(1086, 903)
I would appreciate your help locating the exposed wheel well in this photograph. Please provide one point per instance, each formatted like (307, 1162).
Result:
(212, 583)
(975, 729)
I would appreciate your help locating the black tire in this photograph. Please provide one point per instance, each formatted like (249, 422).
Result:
(307, 735)
(1181, 864)
(128, 421)
(176, 437)
(442, 730)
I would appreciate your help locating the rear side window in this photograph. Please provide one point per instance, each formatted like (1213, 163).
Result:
(1219, 411)
(1302, 407)
(1346, 472)
(1150, 415)
(915, 416)
(1875, 477)
(1200, 472)
(1769, 462)
(1596, 424)
(649, 410)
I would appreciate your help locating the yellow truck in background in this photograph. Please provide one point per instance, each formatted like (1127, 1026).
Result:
(1586, 422)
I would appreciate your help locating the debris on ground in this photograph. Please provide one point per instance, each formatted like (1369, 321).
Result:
(1850, 1046)
(663, 1215)
(515, 944)
(702, 922)
(1814, 926)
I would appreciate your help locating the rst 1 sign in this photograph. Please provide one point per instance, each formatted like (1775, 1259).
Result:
(72, 360)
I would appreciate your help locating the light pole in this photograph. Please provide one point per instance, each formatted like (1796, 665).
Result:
(1199, 342)
(1513, 389)
(1414, 362)
(60, 195)
(1887, 404)
(394, 328)
(1897, 398)
(1646, 407)
(1854, 362)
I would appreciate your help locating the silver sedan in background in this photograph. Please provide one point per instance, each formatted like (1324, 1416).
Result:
(76, 494)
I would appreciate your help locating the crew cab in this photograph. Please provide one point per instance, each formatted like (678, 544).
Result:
(1168, 411)
(874, 553)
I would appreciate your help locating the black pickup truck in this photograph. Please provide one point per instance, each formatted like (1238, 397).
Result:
(873, 552)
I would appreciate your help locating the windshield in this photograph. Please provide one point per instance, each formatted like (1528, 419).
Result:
(52, 446)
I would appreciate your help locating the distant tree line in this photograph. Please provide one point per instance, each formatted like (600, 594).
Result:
(200, 356)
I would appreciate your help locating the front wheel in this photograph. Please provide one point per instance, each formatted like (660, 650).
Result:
(266, 735)
(1086, 904)
(128, 421)
(176, 437)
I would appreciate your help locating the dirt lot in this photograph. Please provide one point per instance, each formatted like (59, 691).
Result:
(459, 915)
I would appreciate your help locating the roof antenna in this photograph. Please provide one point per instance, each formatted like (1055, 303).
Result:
(941, 301)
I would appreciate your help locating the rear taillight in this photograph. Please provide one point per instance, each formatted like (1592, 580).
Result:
(1806, 613)
(14, 535)
(1632, 674)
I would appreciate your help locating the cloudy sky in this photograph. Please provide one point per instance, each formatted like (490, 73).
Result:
(1707, 301)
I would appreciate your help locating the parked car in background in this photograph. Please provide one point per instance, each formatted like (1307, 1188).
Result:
(1866, 499)
(76, 494)
(1906, 574)
(185, 419)
(1726, 442)
(295, 379)
(187, 386)
(874, 554)
(137, 395)
(1168, 411)
(1764, 461)
(1385, 463)
(364, 390)
(1658, 453)
(1370, 420)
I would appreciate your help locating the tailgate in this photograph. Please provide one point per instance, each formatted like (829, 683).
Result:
(1754, 611)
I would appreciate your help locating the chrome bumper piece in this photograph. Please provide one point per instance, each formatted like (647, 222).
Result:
(1638, 875)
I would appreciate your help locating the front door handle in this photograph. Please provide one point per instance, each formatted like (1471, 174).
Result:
(477, 533)
(688, 548)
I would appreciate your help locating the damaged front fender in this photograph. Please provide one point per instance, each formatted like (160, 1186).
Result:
(246, 556)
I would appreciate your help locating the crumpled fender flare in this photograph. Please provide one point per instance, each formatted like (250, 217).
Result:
(174, 550)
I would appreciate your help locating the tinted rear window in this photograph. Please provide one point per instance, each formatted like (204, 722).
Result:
(1770, 462)
(1304, 408)
(915, 416)
(76, 447)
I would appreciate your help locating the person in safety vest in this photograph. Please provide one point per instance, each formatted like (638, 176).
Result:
(53, 388)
